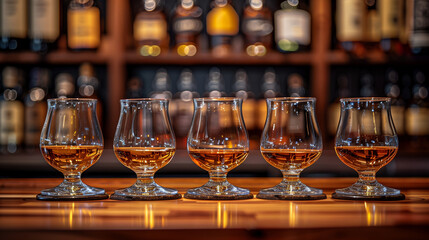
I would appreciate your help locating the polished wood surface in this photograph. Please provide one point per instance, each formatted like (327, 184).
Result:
(19, 210)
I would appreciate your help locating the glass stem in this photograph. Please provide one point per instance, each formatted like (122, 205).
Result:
(367, 176)
(291, 176)
(144, 179)
(218, 177)
(72, 178)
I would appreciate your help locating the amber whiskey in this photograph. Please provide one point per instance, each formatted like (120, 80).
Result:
(144, 158)
(83, 25)
(366, 158)
(187, 27)
(150, 28)
(289, 159)
(218, 159)
(71, 159)
(222, 26)
(257, 27)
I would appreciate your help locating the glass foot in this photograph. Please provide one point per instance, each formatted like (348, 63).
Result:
(218, 191)
(291, 191)
(72, 190)
(368, 190)
(151, 191)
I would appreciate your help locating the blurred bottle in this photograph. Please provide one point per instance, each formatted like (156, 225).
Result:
(64, 85)
(13, 24)
(150, 28)
(270, 88)
(372, 26)
(135, 88)
(83, 25)
(417, 114)
(334, 109)
(215, 86)
(187, 27)
(36, 107)
(44, 29)
(257, 27)
(295, 85)
(350, 20)
(292, 26)
(161, 85)
(392, 22)
(11, 112)
(393, 90)
(183, 101)
(241, 89)
(419, 36)
(88, 85)
(222, 26)
(367, 88)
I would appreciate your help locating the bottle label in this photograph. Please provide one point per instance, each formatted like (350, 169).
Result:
(391, 17)
(11, 122)
(372, 30)
(45, 19)
(257, 27)
(150, 29)
(13, 18)
(293, 25)
(417, 121)
(34, 119)
(188, 25)
(420, 30)
(84, 28)
(350, 20)
(398, 113)
(222, 21)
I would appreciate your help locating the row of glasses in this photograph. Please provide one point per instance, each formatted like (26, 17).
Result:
(71, 142)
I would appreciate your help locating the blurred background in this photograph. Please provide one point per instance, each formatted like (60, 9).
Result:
(181, 49)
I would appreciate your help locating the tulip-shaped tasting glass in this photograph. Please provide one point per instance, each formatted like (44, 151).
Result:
(144, 142)
(218, 142)
(71, 141)
(291, 141)
(366, 141)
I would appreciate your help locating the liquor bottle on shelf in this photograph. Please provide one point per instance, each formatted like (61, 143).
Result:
(417, 114)
(367, 82)
(295, 85)
(11, 112)
(187, 27)
(419, 35)
(350, 19)
(372, 25)
(257, 27)
(393, 90)
(150, 28)
(270, 88)
(83, 25)
(222, 27)
(392, 21)
(215, 86)
(242, 90)
(64, 85)
(88, 85)
(334, 109)
(184, 107)
(292, 26)
(161, 85)
(44, 28)
(36, 107)
(13, 25)
(135, 88)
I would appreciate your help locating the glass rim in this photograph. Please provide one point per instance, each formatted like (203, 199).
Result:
(291, 99)
(137, 100)
(366, 99)
(72, 100)
(217, 99)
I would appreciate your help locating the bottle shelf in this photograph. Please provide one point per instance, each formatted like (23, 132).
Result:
(55, 57)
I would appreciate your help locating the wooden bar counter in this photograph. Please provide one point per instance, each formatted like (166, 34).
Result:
(24, 217)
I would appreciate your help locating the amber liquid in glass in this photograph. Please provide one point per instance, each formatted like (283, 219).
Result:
(287, 159)
(366, 158)
(71, 159)
(218, 159)
(144, 158)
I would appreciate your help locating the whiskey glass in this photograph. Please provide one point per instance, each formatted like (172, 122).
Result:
(291, 141)
(366, 140)
(71, 141)
(144, 142)
(218, 142)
